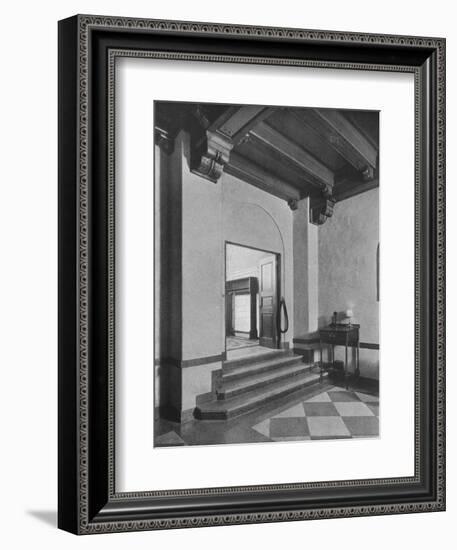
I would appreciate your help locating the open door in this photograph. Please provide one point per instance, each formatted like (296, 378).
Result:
(268, 302)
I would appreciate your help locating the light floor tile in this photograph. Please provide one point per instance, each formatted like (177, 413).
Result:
(294, 412)
(327, 426)
(263, 427)
(353, 409)
(320, 398)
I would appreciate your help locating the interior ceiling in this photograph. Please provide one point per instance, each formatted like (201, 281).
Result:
(290, 152)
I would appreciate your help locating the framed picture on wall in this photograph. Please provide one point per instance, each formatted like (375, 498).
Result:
(251, 283)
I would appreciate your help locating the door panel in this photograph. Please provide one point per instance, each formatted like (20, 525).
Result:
(268, 302)
(229, 314)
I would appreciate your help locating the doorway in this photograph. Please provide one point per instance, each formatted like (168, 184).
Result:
(251, 300)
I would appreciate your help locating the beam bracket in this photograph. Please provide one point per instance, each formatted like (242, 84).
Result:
(165, 140)
(210, 154)
(321, 207)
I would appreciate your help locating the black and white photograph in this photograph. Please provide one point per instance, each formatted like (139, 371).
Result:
(267, 268)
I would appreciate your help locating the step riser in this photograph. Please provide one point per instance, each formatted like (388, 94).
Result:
(229, 414)
(280, 378)
(234, 363)
(230, 377)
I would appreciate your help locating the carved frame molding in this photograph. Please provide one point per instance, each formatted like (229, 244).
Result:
(86, 506)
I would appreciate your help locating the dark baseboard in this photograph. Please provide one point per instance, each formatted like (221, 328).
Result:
(366, 345)
(168, 412)
(307, 340)
(185, 363)
(307, 354)
(362, 383)
(314, 339)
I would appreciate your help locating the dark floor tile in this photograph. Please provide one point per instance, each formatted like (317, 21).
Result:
(320, 409)
(356, 384)
(342, 396)
(362, 425)
(169, 439)
(244, 435)
(288, 427)
(374, 407)
(162, 426)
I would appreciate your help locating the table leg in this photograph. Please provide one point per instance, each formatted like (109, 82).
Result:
(358, 359)
(346, 365)
(320, 363)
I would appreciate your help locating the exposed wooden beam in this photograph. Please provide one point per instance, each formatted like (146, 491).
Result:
(210, 150)
(314, 172)
(351, 189)
(254, 174)
(236, 122)
(343, 136)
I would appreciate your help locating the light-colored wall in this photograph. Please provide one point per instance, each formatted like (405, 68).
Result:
(242, 262)
(347, 270)
(202, 265)
(212, 214)
(305, 266)
(252, 217)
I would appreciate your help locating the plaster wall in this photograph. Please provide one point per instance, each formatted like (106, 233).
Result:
(305, 269)
(254, 218)
(202, 265)
(202, 217)
(347, 270)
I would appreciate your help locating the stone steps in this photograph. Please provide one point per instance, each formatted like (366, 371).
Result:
(249, 360)
(240, 372)
(257, 380)
(251, 383)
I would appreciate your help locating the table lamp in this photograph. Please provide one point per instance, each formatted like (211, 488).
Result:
(348, 315)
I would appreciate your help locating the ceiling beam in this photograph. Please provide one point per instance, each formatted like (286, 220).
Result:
(211, 148)
(254, 174)
(343, 136)
(348, 189)
(314, 172)
(236, 122)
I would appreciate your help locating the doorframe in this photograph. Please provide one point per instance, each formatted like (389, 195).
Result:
(278, 287)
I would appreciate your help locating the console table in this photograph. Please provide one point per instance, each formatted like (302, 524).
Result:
(340, 335)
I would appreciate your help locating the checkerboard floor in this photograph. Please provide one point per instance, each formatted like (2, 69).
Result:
(328, 412)
(332, 414)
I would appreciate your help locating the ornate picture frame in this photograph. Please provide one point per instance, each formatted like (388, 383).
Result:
(88, 48)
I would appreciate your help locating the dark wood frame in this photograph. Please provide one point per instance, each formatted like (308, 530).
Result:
(246, 285)
(88, 502)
